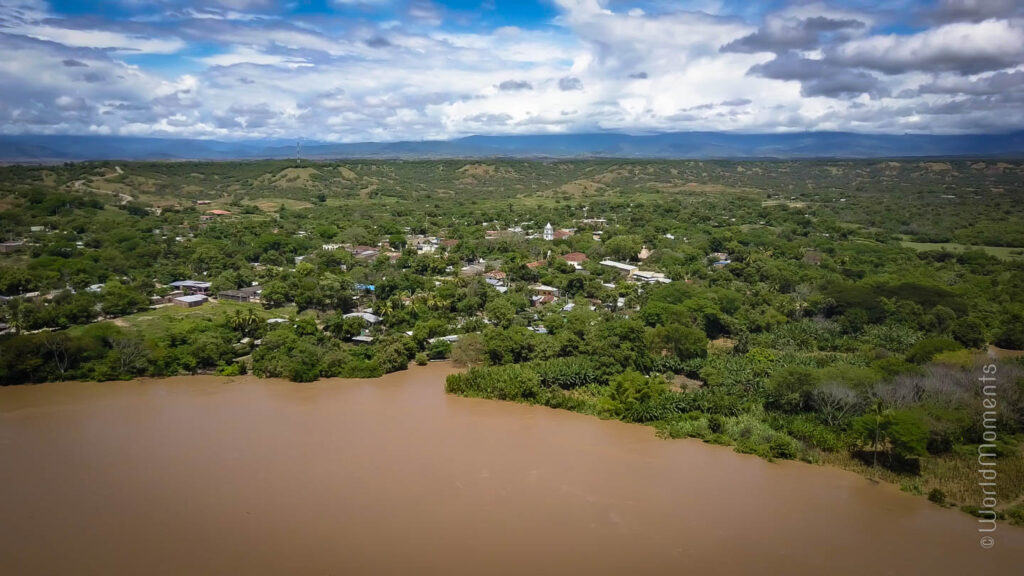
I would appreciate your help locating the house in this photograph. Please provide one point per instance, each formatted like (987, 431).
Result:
(422, 244)
(330, 247)
(540, 300)
(371, 318)
(721, 263)
(219, 212)
(472, 269)
(576, 259)
(549, 232)
(650, 277)
(95, 288)
(191, 286)
(364, 252)
(8, 247)
(536, 264)
(629, 269)
(169, 297)
(564, 233)
(190, 301)
(202, 202)
(495, 275)
(37, 228)
(645, 253)
(248, 294)
(544, 290)
(596, 222)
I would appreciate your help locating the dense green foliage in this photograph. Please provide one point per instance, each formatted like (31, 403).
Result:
(840, 325)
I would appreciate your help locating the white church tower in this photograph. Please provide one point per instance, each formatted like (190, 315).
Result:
(549, 232)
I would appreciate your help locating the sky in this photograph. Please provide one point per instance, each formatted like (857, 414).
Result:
(389, 70)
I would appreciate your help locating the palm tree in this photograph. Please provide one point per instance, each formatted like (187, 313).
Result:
(15, 314)
(385, 309)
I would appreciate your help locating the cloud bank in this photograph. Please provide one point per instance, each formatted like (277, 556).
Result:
(385, 70)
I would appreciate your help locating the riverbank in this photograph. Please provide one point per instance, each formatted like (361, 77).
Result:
(206, 474)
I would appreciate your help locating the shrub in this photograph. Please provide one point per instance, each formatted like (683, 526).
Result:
(791, 387)
(970, 332)
(359, 368)
(502, 382)
(439, 350)
(693, 425)
(421, 359)
(928, 348)
(566, 373)
(783, 446)
(937, 496)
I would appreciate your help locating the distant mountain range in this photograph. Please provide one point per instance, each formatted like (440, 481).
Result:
(696, 145)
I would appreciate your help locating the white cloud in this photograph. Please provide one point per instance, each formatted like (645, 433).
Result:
(101, 39)
(255, 57)
(595, 67)
(962, 46)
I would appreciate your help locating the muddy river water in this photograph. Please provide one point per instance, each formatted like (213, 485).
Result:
(207, 475)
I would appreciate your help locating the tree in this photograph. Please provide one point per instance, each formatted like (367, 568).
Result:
(469, 350)
(120, 300)
(344, 328)
(970, 332)
(634, 397)
(59, 346)
(397, 242)
(509, 346)
(928, 348)
(1011, 335)
(941, 320)
(790, 387)
(129, 353)
(834, 402)
(903, 433)
(16, 314)
(500, 311)
(683, 342)
(248, 323)
(623, 248)
(274, 294)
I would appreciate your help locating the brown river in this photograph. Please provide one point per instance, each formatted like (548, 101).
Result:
(207, 475)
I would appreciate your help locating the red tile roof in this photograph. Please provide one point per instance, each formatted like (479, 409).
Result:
(575, 257)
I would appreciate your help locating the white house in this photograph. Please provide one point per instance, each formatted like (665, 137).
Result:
(629, 269)
(371, 318)
(650, 277)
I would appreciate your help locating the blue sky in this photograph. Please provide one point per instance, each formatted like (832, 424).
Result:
(384, 70)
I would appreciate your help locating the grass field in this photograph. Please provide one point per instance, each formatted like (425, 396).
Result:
(158, 320)
(1003, 252)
